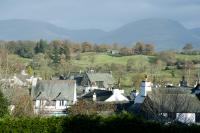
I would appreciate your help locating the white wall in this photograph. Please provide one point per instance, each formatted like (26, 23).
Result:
(61, 107)
(186, 117)
(37, 103)
(75, 95)
(145, 87)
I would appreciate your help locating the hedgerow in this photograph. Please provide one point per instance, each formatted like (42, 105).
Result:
(90, 124)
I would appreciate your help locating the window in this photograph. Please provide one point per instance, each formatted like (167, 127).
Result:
(43, 102)
(100, 84)
(62, 102)
(197, 117)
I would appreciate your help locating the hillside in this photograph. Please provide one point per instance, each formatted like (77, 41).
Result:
(164, 33)
(18, 29)
(196, 31)
(140, 63)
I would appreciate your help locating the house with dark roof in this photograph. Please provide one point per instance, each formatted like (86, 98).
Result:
(107, 101)
(114, 96)
(103, 81)
(78, 76)
(97, 95)
(174, 103)
(196, 89)
(54, 96)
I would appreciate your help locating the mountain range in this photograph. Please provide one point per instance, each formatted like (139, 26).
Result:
(163, 33)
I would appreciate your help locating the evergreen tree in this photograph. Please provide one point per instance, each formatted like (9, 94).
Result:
(56, 55)
(41, 46)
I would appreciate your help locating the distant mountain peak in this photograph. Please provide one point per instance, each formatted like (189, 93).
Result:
(163, 33)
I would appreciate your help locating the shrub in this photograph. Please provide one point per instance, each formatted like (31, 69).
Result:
(3, 105)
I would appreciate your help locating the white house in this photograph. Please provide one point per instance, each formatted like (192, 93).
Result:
(53, 97)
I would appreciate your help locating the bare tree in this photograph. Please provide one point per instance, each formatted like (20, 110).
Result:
(23, 107)
(88, 107)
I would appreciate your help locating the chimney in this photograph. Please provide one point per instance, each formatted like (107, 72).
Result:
(94, 97)
(145, 87)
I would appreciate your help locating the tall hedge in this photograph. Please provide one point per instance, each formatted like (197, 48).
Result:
(90, 124)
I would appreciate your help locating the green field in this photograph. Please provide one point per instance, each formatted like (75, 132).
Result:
(100, 59)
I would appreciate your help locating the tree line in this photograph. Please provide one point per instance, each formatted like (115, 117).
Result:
(28, 49)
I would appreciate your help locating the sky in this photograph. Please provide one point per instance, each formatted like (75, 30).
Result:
(101, 14)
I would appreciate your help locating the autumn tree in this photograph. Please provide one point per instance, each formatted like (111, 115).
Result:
(139, 48)
(168, 56)
(125, 51)
(86, 47)
(136, 80)
(75, 48)
(101, 48)
(22, 48)
(23, 107)
(90, 107)
(188, 66)
(149, 49)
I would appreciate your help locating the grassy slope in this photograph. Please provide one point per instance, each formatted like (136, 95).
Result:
(188, 57)
(139, 60)
(101, 58)
(16, 58)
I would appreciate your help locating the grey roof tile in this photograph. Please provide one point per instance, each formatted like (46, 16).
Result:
(54, 89)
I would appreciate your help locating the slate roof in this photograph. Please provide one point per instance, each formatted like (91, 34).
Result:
(196, 88)
(54, 90)
(105, 77)
(176, 101)
(101, 95)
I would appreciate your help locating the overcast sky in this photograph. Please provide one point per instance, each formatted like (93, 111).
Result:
(101, 14)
